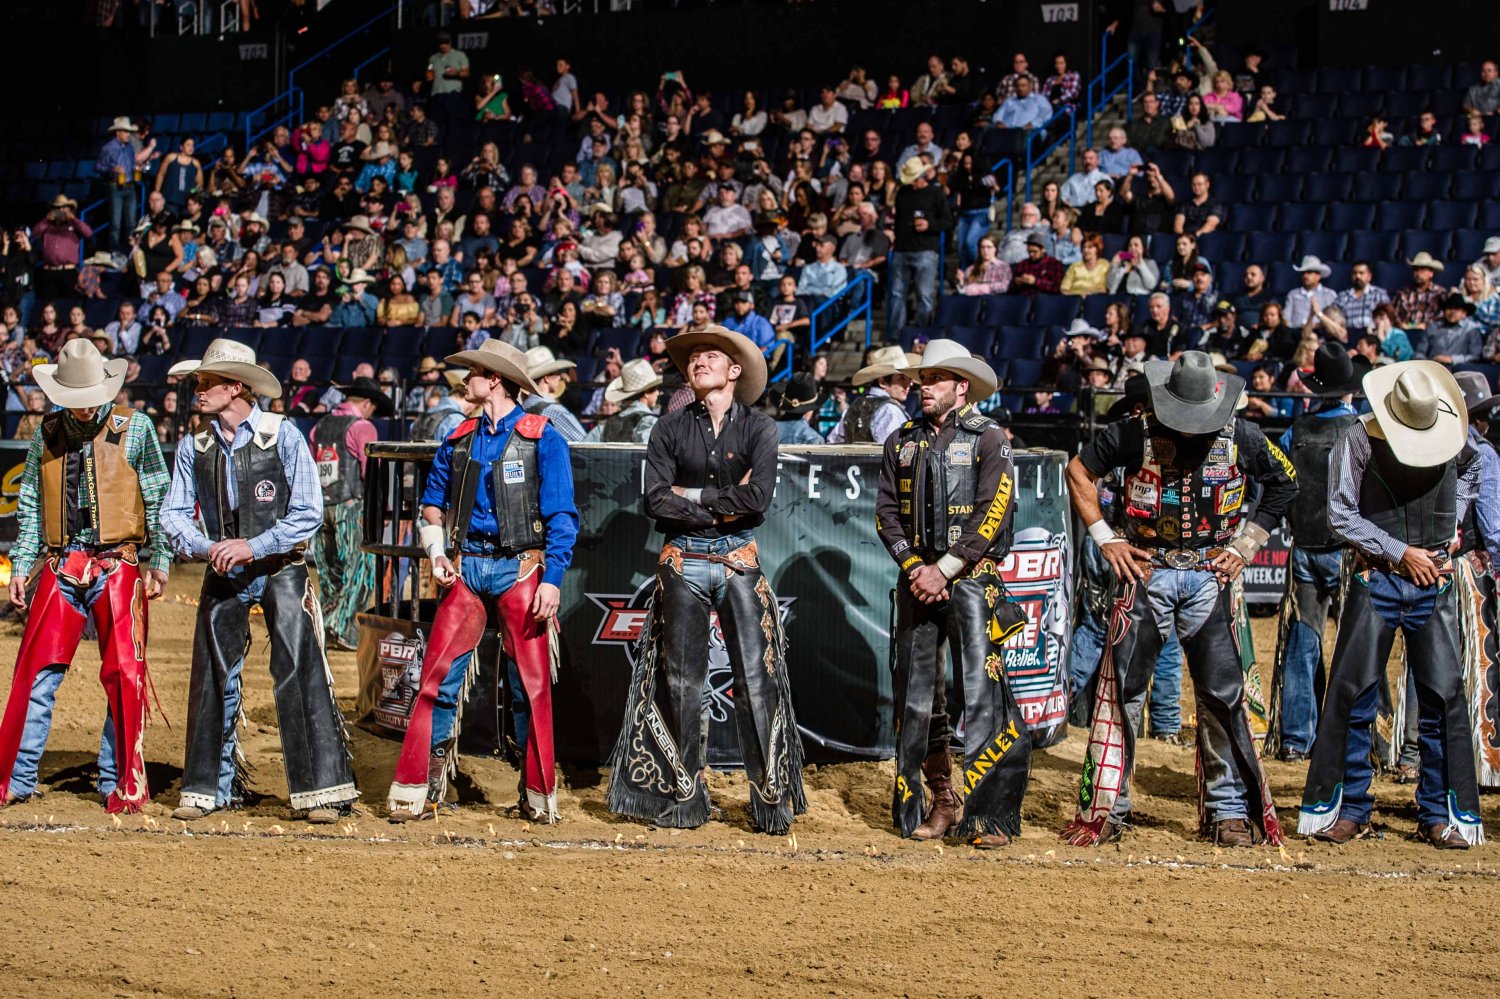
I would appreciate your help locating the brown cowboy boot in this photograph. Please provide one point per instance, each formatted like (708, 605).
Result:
(942, 811)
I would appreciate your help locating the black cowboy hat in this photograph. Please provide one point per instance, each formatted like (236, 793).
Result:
(1457, 301)
(801, 395)
(1334, 372)
(1137, 393)
(368, 388)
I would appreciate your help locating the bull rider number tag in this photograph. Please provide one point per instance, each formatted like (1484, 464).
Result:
(327, 459)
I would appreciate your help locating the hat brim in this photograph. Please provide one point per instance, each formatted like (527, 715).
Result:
(256, 378)
(550, 368)
(384, 406)
(740, 348)
(981, 377)
(875, 372)
(801, 408)
(82, 396)
(1418, 448)
(1331, 391)
(1191, 417)
(615, 392)
(1323, 269)
(495, 364)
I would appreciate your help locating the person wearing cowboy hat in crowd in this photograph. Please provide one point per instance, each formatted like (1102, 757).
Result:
(118, 167)
(499, 498)
(357, 307)
(1454, 337)
(1402, 479)
(1226, 335)
(1313, 296)
(798, 408)
(346, 575)
(1417, 304)
(58, 238)
(875, 415)
(429, 377)
(1317, 554)
(710, 474)
(637, 390)
(251, 476)
(253, 233)
(1188, 465)
(87, 528)
(379, 162)
(944, 512)
(546, 371)
(1069, 364)
(922, 216)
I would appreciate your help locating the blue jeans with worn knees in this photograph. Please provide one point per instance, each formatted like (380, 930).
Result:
(39, 726)
(1084, 652)
(1166, 688)
(972, 225)
(912, 270)
(485, 577)
(1183, 600)
(1318, 574)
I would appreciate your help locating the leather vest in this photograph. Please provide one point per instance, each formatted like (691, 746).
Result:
(515, 492)
(1313, 438)
(263, 492)
(620, 428)
(1171, 507)
(860, 416)
(338, 469)
(1417, 506)
(937, 492)
(100, 485)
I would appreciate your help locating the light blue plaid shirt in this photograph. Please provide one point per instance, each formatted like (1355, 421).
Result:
(304, 514)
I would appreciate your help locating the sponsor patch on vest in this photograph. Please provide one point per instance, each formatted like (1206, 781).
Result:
(1230, 497)
(961, 453)
(953, 535)
(908, 452)
(1222, 453)
(118, 421)
(513, 471)
(1145, 497)
(1213, 473)
(265, 491)
(1164, 450)
(1167, 528)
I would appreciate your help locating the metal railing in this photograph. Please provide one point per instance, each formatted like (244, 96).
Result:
(1187, 55)
(859, 298)
(1070, 136)
(290, 99)
(1100, 85)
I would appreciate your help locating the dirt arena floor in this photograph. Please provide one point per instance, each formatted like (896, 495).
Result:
(482, 904)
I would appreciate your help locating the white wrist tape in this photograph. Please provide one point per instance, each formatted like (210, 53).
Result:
(1103, 534)
(950, 565)
(430, 537)
(1248, 543)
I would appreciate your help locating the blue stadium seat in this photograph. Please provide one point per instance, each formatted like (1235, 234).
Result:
(1094, 307)
(1263, 160)
(1314, 106)
(1468, 244)
(1004, 310)
(1326, 187)
(1252, 215)
(1422, 185)
(1218, 161)
(440, 341)
(1288, 133)
(1307, 159)
(403, 341)
(1476, 185)
(1019, 342)
(1300, 216)
(1334, 131)
(1391, 274)
(1003, 143)
(1358, 105)
(344, 365)
(1233, 135)
(1453, 158)
(909, 334)
(1173, 162)
(361, 344)
(1221, 245)
(1427, 77)
(251, 337)
(1356, 159)
(1281, 277)
(1233, 187)
(1326, 246)
(165, 123)
(321, 342)
(1264, 246)
(1339, 79)
(220, 121)
(1404, 159)
(958, 310)
(1396, 215)
(1296, 81)
(1411, 242)
(1230, 279)
(976, 338)
(627, 341)
(1275, 188)
(194, 123)
(1024, 372)
(1384, 79)
(1451, 214)
(1344, 216)
(1054, 310)
(1371, 246)
(195, 341)
(1489, 156)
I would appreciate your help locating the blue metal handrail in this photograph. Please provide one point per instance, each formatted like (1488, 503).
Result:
(863, 284)
(1187, 55)
(788, 359)
(1071, 137)
(1010, 187)
(378, 55)
(1101, 81)
(293, 101)
(291, 77)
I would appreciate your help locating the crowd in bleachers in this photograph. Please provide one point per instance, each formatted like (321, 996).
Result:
(1251, 210)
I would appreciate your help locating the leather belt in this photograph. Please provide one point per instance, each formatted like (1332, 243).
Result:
(1184, 558)
(1439, 556)
(723, 560)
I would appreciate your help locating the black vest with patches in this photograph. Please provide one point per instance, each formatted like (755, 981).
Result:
(1313, 438)
(1169, 506)
(860, 416)
(338, 468)
(514, 485)
(937, 492)
(1417, 506)
(262, 490)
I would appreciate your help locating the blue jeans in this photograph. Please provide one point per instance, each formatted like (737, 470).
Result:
(708, 579)
(1315, 579)
(1166, 684)
(486, 577)
(972, 225)
(912, 270)
(123, 207)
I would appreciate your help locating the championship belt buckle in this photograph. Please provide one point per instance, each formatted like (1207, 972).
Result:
(1181, 558)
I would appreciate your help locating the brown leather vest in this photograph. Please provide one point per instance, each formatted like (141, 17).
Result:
(103, 480)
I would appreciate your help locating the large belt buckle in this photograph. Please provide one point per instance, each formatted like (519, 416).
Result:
(1181, 558)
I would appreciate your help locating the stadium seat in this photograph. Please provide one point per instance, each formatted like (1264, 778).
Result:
(1288, 133)
(1344, 216)
(1404, 159)
(1359, 105)
(1451, 214)
(1252, 215)
(1325, 187)
(440, 341)
(1356, 159)
(249, 337)
(1281, 277)
(1233, 135)
(1468, 244)
(1371, 246)
(1334, 131)
(1232, 188)
(403, 341)
(976, 338)
(1019, 342)
(1230, 279)
(1426, 77)
(1024, 372)
(1312, 106)
(1054, 310)
(1268, 246)
(1411, 242)
(1489, 156)
(1004, 310)
(194, 342)
(909, 335)
(1477, 185)
(1221, 245)
(1391, 274)
(1422, 185)
(1094, 307)
(1217, 161)
(1326, 246)
(1338, 79)
(1276, 188)
(1452, 159)
(1397, 215)
(1263, 160)
(361, 344)
(194, 124)
(958, 310)
(320, 342)
(1384, 79)
(1301, 216)
(165, 123)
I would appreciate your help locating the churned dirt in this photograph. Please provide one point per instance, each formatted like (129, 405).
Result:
(479, 903)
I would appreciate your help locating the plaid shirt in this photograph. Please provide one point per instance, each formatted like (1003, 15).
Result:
(1048, 272)
(1006, 89)
(1357, 308)
(1418, 308)
(143, 454)
(452, 272)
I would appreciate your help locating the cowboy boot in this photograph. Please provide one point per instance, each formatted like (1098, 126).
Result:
(437, 771)
(943, 806)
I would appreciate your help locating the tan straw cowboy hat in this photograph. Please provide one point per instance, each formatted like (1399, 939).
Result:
(741, 350)
(541, 362)
(235, 361)
(497, 357)
(81, 378)
(954, 358)
(1418, 409)
(636, 378)
(885, 362)
(912, 169)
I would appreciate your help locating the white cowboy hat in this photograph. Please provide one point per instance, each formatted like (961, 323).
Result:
(541, 362)
(254, 216)
(954, 358)
(912, 169)
(1312, 263)
(498, 357)
(81, 378)
(360, 276)
(122, 124)
(359, 223)
(713, 137)
(1425, 259)
(1081, 327)
(63, 201)
(1418, 409)
(381, 149)
(741, 350)
(235, 361)
(636, 378)
(885, 362)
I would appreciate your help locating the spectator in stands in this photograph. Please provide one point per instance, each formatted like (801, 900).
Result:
(1132, 271)
(274, 307)
(1202, 212)
(1479, 292)
(1224, 103)
(1061, 88)
(59, 237)
(1484, 96)
(1019, 70)
(179, 173)
(927, 88)
(1117, 159)
(744, 319)
(922, 216)
(31, 419)
(1196, 308)
(1490, 261)
(293, 274)
(1360, 299)
(165, 295)
(1164, 334)
(1152, 211)
(1134, 353)
(1258, 408)
(1426, 132)
(962, 87)
(1394, 343)
(447, 69)
(1377, 133)
(989, 275)
(1275, 339)
(357, 307)
(1106, 214)
(1454, 338)
(894, 96)
(1013, 244)
(856, 88)
(1150, 129)
(1254, 297)
(1039, 273)
(727, 219)
(972, 186)
(156, 339)
(824, 277)
(924, 146)
(1226, 335)
(1088, 275)
(1064, 239)
(829, 117)
(866, 248)
(1264, 108)
(225, 179)
(1313, 296)
(125, 331)
(399, 307)
(314, 308)
(1184, 260)
(1193, 129)
(1475, 135)
(241, 310)
(1078, 190)
(565, 89)
(1417, 304)
(435, 303)
(119, 165)
(443, 262)
(1023, 109)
